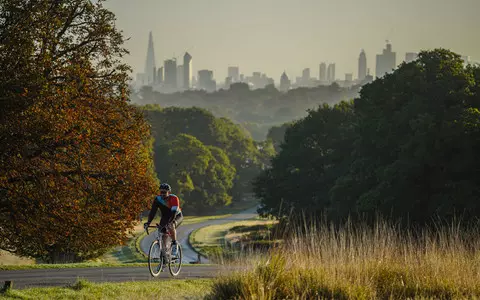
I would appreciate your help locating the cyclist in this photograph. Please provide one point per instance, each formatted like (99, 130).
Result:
(172, 216)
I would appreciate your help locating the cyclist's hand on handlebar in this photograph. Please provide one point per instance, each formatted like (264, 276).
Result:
(145, 226)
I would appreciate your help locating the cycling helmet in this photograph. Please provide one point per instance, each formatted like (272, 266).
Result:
(165, 186)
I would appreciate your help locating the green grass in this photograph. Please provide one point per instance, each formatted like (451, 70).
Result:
(211, 240)
(361, 262)
(129, 254)
(155, 289)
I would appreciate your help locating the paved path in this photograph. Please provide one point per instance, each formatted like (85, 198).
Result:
(184, 231)
(63, 277)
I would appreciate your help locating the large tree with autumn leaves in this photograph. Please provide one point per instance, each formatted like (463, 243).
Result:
(75, 158)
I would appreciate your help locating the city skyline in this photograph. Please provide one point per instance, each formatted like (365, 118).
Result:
(283, 35)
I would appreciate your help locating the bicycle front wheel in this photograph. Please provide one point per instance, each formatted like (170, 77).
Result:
(155, 259)
(175, 263)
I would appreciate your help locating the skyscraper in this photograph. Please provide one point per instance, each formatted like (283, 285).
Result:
(150, 61)
(410, 56)
(160, 75)
(322, 74)
(234, 73)
(187, 71)
(349, 77)
(205, 80)
(386, 61)
(180, 83)
(362, 66)
(331, 73)
(170, 69)
(284, 82)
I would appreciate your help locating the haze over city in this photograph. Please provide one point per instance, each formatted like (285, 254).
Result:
(273, 36)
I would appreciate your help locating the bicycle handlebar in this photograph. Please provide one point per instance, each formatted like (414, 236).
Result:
(156, 226)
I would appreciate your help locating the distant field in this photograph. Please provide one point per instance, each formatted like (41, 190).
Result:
(155, 289)
(213, 238)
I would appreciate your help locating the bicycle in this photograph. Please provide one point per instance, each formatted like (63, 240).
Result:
(159, 255)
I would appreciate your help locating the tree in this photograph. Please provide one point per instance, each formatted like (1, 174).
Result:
(201, 175)
(315, 152)
(405, 149)
(243, 154)
(277, 134)
(417, 135)
(75, 160)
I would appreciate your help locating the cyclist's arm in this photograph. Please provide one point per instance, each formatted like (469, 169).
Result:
(153, 211)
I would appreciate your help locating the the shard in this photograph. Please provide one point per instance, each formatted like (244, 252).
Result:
(150, 67)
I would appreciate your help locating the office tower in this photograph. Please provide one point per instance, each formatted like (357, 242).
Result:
(180, 75)
(187, 71)
(234, 73)
(386, 61)
(205, 80)
(362, 66)
(322, 74)
(160, 75)
(331, 73)
(349, 77)
(284, 82)
(170, 68)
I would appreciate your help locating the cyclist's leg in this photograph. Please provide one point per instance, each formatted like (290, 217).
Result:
(176, 222)
(163, 223)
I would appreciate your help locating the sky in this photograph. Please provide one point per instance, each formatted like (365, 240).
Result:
(271, 36)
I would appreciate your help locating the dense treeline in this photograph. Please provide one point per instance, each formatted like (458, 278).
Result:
(209, 161)
(405, 148)
(75, 158)
(256, 110)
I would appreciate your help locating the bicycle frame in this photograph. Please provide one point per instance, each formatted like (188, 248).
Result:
(160, 234)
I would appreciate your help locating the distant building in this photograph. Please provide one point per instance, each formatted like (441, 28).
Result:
(160, 75)
(410, 56)
(306, 74)
(331, 73)
(180, 83)
(386, 61)
(466, 59)
(284, 82)
(322, 74)
(170, 67)
(234, 73)
(362, 66)
(205, 81)
(187, 71)
(150, 62)
(228, 82)
(368, 78)
(349, 77)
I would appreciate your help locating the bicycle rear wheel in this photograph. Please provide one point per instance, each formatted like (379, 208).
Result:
(175, 263)
(155, 259)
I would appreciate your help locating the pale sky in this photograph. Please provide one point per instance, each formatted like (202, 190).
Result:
(275, 35)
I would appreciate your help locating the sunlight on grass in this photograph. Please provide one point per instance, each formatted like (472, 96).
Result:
(155, 289)
(361, 263)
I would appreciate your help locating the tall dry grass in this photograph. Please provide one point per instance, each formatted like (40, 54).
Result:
(361, 262)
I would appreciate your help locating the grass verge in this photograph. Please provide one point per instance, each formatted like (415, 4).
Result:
(155, 289)
(212, 240)
(361, 262)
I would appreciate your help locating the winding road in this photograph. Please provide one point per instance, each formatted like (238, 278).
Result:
(184, 231)
(62, 277)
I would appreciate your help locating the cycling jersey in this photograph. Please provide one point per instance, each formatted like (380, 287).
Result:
(169, 207)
